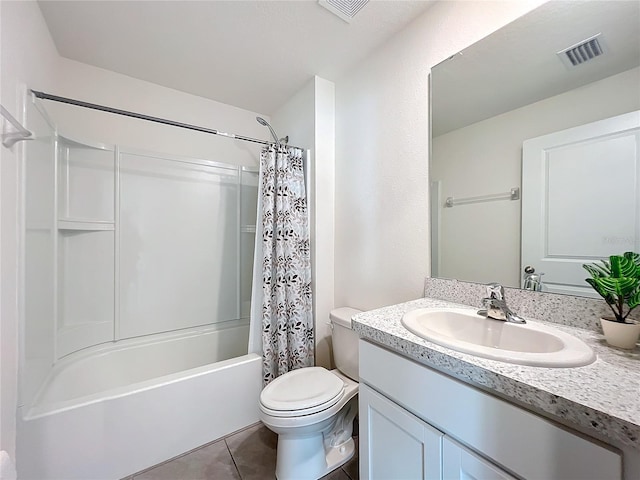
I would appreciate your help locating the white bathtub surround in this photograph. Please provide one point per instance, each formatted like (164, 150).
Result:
(134, 311)
(160, 399)
(283, 256)
(109, 253)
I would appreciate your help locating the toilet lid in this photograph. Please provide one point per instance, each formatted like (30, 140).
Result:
(302, 389)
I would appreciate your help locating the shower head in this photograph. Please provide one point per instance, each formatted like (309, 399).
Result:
(264, 123)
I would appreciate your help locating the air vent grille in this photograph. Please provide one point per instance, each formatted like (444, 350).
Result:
(345, 9)
(582, 52)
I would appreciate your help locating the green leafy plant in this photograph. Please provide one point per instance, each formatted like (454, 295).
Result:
(618, 282)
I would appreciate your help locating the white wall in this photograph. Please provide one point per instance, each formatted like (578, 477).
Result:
(309, 120)
(28, 56)
(382, 212)
(296, 118)
(466, 169)
(323, 181)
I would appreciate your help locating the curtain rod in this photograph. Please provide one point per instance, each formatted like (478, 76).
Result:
(102, 108)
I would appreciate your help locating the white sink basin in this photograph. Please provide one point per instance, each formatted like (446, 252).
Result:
(531, 344)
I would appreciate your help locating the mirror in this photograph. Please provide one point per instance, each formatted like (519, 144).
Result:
(515, 87)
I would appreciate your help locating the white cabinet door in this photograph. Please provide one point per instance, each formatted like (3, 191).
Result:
(458, 463)
(394, 444)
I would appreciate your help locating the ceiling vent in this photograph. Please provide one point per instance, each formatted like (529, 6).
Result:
(345, 9)
(582, 52)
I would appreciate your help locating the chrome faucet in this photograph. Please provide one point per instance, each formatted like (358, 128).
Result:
(496, 306)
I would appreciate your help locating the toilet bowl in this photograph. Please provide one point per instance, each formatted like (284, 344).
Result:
(312, 409)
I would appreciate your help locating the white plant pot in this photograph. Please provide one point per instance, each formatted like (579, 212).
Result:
(621, 335)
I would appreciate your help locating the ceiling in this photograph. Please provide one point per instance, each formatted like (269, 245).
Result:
(518, 65)
(251, 54)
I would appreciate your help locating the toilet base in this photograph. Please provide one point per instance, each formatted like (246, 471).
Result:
(338, 456)
(307, 459)
(311, 446)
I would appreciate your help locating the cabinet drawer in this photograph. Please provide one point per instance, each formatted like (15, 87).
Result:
(519, 440)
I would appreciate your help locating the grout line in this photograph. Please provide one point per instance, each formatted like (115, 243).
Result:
(347, 473)
(232, 458)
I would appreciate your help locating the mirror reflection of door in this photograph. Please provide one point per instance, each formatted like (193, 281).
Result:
(511, 86)
(580, 199)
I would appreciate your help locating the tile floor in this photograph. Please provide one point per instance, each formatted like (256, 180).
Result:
(246, 455)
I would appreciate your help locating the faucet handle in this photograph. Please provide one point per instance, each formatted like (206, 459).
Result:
(495, 290)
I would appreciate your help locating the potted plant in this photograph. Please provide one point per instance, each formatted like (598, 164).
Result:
(618, 282)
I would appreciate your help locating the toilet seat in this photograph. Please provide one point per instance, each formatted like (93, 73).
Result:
(301, 392)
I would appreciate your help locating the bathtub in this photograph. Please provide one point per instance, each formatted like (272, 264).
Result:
(110, 411)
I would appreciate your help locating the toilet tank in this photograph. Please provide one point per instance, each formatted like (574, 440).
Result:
(345, 341)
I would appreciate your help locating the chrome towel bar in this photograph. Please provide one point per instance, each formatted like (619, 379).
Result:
(513, 194)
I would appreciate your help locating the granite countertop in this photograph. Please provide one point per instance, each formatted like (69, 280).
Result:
(601, 399)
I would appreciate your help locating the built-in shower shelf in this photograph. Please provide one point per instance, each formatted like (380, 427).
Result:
(85, 225)
(248, 229)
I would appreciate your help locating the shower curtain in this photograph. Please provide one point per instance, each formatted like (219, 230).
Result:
(281, 307)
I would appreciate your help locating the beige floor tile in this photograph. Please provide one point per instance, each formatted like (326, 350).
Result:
(337, 474)
(351, 467)
(212, 462)
(254, 451)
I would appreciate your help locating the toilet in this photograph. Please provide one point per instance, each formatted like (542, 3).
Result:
(312, 409)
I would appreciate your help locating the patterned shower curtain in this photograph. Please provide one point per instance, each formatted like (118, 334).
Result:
(287, 321)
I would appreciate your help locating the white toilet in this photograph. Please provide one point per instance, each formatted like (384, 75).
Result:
(312, 409)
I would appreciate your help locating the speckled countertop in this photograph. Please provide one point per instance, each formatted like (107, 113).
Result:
(601, 399)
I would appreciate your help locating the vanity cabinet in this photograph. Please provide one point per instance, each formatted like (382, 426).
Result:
(419, 423)
(460, 463)
(416, 445)
(398, 445)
